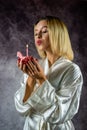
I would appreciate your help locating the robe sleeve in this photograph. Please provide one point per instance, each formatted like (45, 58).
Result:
(23, 108)
(61, 105)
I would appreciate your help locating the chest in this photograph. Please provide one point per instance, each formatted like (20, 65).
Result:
(55, 77)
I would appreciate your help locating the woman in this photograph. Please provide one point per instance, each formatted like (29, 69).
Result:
(50, 92)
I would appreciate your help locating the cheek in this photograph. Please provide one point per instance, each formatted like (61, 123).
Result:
(35, 41)
(47, 40)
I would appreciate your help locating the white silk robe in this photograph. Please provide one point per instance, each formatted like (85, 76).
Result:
(56, 101)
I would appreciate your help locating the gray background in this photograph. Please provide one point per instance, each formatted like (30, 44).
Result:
(16, 29)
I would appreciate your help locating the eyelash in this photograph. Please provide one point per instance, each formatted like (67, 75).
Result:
(41, 32)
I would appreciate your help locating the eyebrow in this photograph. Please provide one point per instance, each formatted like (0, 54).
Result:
(41, 28)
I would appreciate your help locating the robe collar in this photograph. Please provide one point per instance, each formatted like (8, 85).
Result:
(46, 64)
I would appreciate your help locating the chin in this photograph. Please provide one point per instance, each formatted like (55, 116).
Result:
(41, 48)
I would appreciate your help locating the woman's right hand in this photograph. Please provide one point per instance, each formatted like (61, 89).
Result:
(22, 67)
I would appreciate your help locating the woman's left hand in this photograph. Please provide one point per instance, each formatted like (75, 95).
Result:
(36, 71)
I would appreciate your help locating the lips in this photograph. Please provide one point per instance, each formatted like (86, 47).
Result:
(39, 42)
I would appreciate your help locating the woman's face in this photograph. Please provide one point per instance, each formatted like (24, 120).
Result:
(41, 36)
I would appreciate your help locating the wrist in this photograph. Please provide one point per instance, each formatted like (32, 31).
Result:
(31, 81)
(41, 80)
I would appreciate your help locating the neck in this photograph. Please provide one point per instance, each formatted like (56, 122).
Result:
(51, 57)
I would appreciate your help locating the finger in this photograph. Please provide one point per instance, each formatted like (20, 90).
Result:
(29, 73)
(36, 64)
(24, 68)
(31, 66)
(34, 70)
(18, 64)
(21, 65)
(30, 69)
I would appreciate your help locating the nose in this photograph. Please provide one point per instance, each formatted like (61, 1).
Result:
(39, 35)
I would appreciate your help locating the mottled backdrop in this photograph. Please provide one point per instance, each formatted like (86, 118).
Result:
(16, 29)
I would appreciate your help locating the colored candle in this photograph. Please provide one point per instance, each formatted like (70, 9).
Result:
(27, 50)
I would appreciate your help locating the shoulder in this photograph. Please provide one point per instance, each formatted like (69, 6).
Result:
(70, 64)
(68, 67)
(71, 74)
(73, 70)
(74, 67)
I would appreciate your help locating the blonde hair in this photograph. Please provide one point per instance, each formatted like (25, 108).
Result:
(59, 38)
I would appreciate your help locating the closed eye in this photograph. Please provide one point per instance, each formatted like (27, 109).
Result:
(36, 34)
(45, 31)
